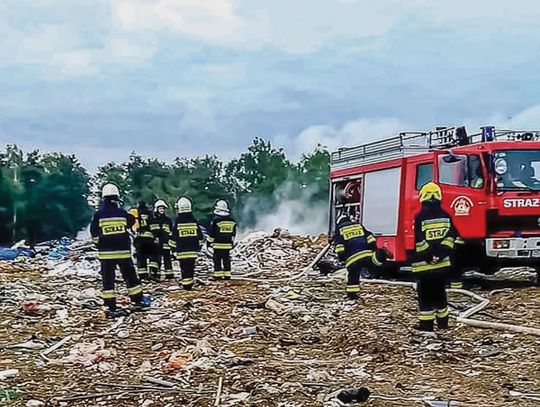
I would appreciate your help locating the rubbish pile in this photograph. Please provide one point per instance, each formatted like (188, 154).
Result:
(264, 339)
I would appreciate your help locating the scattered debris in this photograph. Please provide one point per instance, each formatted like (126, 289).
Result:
(279, 334)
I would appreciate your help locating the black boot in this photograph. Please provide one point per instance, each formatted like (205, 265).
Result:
(140, 307)
(442, 323)
(352, 296)
(144, 276)
(116, 313)
(154, 275)
(425, 326)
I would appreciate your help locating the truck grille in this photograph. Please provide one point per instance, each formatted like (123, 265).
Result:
(497, 223)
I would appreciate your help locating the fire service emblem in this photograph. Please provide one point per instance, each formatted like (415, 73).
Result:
(462, 206)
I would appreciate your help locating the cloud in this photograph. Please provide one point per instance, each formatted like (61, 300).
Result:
(159, 76)
(209, 20)
(304, 26)
(527, 119)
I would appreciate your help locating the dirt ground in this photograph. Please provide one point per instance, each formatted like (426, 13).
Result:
(295, 350)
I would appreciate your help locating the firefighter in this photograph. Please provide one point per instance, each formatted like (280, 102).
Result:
(435, 237)
(221, 236)
(161, 227)
(187, 241)
(357, 247)
(144, 242)
(110, 231)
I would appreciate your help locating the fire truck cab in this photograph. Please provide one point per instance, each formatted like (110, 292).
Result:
(490, 183)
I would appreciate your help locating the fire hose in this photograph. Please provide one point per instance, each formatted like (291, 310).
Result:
(461, 317)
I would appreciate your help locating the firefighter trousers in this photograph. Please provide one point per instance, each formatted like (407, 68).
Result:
(163, 256)
(459, 260)
(432, 301)
(145, 249)
(142, 265)
(456, 276)
(353, 277)
(108, 275)
(222, 264)
(187, 266)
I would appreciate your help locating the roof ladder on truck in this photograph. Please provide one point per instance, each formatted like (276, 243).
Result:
(402, 145)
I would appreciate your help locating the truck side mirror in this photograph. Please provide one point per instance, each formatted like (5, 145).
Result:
(450, 158)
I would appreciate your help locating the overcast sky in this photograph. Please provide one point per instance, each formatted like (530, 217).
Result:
(101, 78)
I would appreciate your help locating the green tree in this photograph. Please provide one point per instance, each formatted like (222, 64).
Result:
(114, 173)
(314, 173)
(255, 177)
(43, 196)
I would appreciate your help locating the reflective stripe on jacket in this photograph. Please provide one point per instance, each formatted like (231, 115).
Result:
(353, 242)
(110, 231)
(435, 237)
(187, 238)
(222, 232)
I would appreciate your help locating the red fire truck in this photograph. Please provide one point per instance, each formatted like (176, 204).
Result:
(490, 183)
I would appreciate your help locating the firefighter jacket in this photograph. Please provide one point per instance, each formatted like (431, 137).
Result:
(353, 243)
(110, 231)
(435, 237)
(187, 238)
(161, 227)
(222, 232)
(144, 219)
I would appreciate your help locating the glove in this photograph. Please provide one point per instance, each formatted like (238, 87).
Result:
(388, 253)
(441, 251)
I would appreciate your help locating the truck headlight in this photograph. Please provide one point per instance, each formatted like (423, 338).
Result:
(501, 166)
(501, 244)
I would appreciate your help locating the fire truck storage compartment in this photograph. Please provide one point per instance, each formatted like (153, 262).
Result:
(381, 201)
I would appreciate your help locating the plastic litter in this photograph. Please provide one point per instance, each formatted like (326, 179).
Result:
(10, 254)
(9, 373)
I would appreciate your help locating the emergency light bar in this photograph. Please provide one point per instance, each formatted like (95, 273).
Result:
(490, 133)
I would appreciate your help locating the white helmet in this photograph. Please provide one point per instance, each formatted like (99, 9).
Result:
(160, 203)
(110, 190)
(183, 205)
(221, 208)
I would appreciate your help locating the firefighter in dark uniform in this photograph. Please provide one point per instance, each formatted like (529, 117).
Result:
(187, 240)
(144, 242)
(110, 231)
(161, 227)
(221, 236)
(357, 248)
(435, 236)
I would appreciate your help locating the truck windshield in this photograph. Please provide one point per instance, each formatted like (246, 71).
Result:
(517, 169)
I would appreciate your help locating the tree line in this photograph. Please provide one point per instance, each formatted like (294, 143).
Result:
(45, 196)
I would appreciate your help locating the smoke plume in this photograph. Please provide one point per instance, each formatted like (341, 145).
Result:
(301, 210)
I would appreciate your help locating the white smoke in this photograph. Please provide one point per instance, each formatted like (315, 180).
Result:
(297, 211)
(351, 133)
